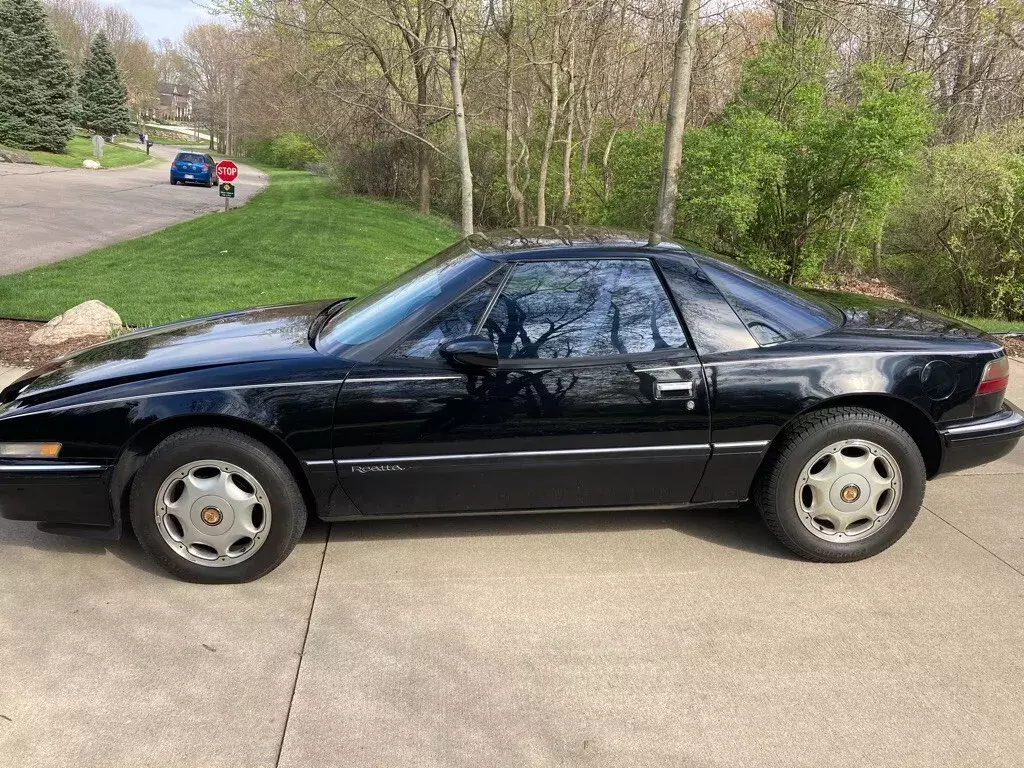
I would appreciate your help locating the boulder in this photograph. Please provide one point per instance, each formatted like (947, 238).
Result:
(16, 156)
(91, 318)
(90, 163)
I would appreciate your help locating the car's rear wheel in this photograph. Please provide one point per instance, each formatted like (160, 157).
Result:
(842, 484)
(173, 182)
(215, 506)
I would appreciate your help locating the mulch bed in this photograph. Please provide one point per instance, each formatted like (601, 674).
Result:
(1014, 345)
(16, 351)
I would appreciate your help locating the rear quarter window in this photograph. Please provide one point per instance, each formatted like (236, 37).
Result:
(772, 312)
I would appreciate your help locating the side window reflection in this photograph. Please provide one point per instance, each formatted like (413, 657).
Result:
(459, 319)
(586, 308)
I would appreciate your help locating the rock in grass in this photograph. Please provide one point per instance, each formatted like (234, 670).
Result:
(14, 156)
(91, 318)
(90, 163)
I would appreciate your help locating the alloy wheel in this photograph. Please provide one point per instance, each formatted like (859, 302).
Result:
(848, 491)
(212, 513)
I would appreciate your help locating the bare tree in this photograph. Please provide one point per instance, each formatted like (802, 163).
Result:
(665, 213)
(459, 113)
(554, 64)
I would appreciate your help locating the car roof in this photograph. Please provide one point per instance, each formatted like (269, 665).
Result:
(559, 242)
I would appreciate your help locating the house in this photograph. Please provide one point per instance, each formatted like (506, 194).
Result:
(175, 102)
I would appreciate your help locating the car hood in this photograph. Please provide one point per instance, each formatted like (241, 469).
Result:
(253, 335)
(866, 313)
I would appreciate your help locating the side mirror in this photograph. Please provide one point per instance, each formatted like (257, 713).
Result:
(471, 352)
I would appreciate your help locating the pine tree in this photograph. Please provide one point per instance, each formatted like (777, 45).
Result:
(101, 94)
(37, 87)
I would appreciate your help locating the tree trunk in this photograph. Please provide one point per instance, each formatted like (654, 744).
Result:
(458, 110)
(510, 172)
(606, 169)
(423, 177)
(570, 120)
(665, 214)
(787, 15)
(422, 151)
(549, 138)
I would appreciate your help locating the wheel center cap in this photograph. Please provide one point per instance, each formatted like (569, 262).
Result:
(211, 516)
(850, 493)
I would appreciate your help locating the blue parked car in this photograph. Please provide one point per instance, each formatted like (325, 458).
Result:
(194, 168)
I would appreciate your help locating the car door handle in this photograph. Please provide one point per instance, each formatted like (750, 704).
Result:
(663, 389)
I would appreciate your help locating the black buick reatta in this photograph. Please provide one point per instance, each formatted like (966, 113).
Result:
(521, 371)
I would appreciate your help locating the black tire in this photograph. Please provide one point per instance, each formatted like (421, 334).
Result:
(173, 182)
(286, 501)
(774, 492)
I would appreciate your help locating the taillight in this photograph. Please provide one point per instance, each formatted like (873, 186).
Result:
(996, 376)
(206, 167)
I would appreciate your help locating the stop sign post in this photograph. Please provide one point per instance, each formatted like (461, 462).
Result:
(227, 172)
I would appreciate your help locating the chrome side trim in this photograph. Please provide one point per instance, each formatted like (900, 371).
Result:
(114, 400)
(743, 444)
(834, 355)
(515, 454)
(373, 379)
(50, 467)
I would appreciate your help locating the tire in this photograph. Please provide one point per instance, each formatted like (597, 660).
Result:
(789, 493)
(276, 509)
(173, 182)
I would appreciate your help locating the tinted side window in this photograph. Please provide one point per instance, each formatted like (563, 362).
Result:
(711, 321)
(771, 312)
(569, 309)
(458, 319)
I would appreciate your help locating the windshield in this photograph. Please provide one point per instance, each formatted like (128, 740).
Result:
(185, 157)
(370, 317)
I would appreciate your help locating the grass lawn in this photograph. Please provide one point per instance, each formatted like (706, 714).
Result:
(294, 242)
(997, 326)
(80, 148)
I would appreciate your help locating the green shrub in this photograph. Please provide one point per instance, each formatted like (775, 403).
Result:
(288, 150)
(956, 240)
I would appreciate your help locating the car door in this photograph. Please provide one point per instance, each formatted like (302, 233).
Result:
(598, 400)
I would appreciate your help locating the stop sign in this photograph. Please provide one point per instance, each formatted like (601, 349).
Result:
(227, 170)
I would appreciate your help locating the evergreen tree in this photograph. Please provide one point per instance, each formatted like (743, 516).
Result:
(36, 84)
(101, 94)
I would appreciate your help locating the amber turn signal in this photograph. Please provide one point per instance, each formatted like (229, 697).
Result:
(29, 450)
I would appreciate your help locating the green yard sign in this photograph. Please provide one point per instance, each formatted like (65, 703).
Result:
(227, 189)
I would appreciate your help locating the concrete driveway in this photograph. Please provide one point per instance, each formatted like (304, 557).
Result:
(48, 214)
(685, 639)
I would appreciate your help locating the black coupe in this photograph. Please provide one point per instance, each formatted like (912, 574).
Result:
(544, 370)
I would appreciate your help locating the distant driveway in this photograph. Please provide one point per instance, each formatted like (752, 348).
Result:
(48, 214)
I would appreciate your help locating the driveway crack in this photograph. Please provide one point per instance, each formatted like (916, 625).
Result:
(302, 653)
(967, 536)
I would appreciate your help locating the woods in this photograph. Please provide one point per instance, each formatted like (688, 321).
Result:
(808, 133)
(808, 139)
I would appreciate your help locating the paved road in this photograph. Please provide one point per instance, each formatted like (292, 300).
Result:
(686, 639)
(48, 214)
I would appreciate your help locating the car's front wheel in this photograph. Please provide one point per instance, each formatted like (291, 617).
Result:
(215, 506)
(842, 484)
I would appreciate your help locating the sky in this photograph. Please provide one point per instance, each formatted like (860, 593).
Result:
(164, 18)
